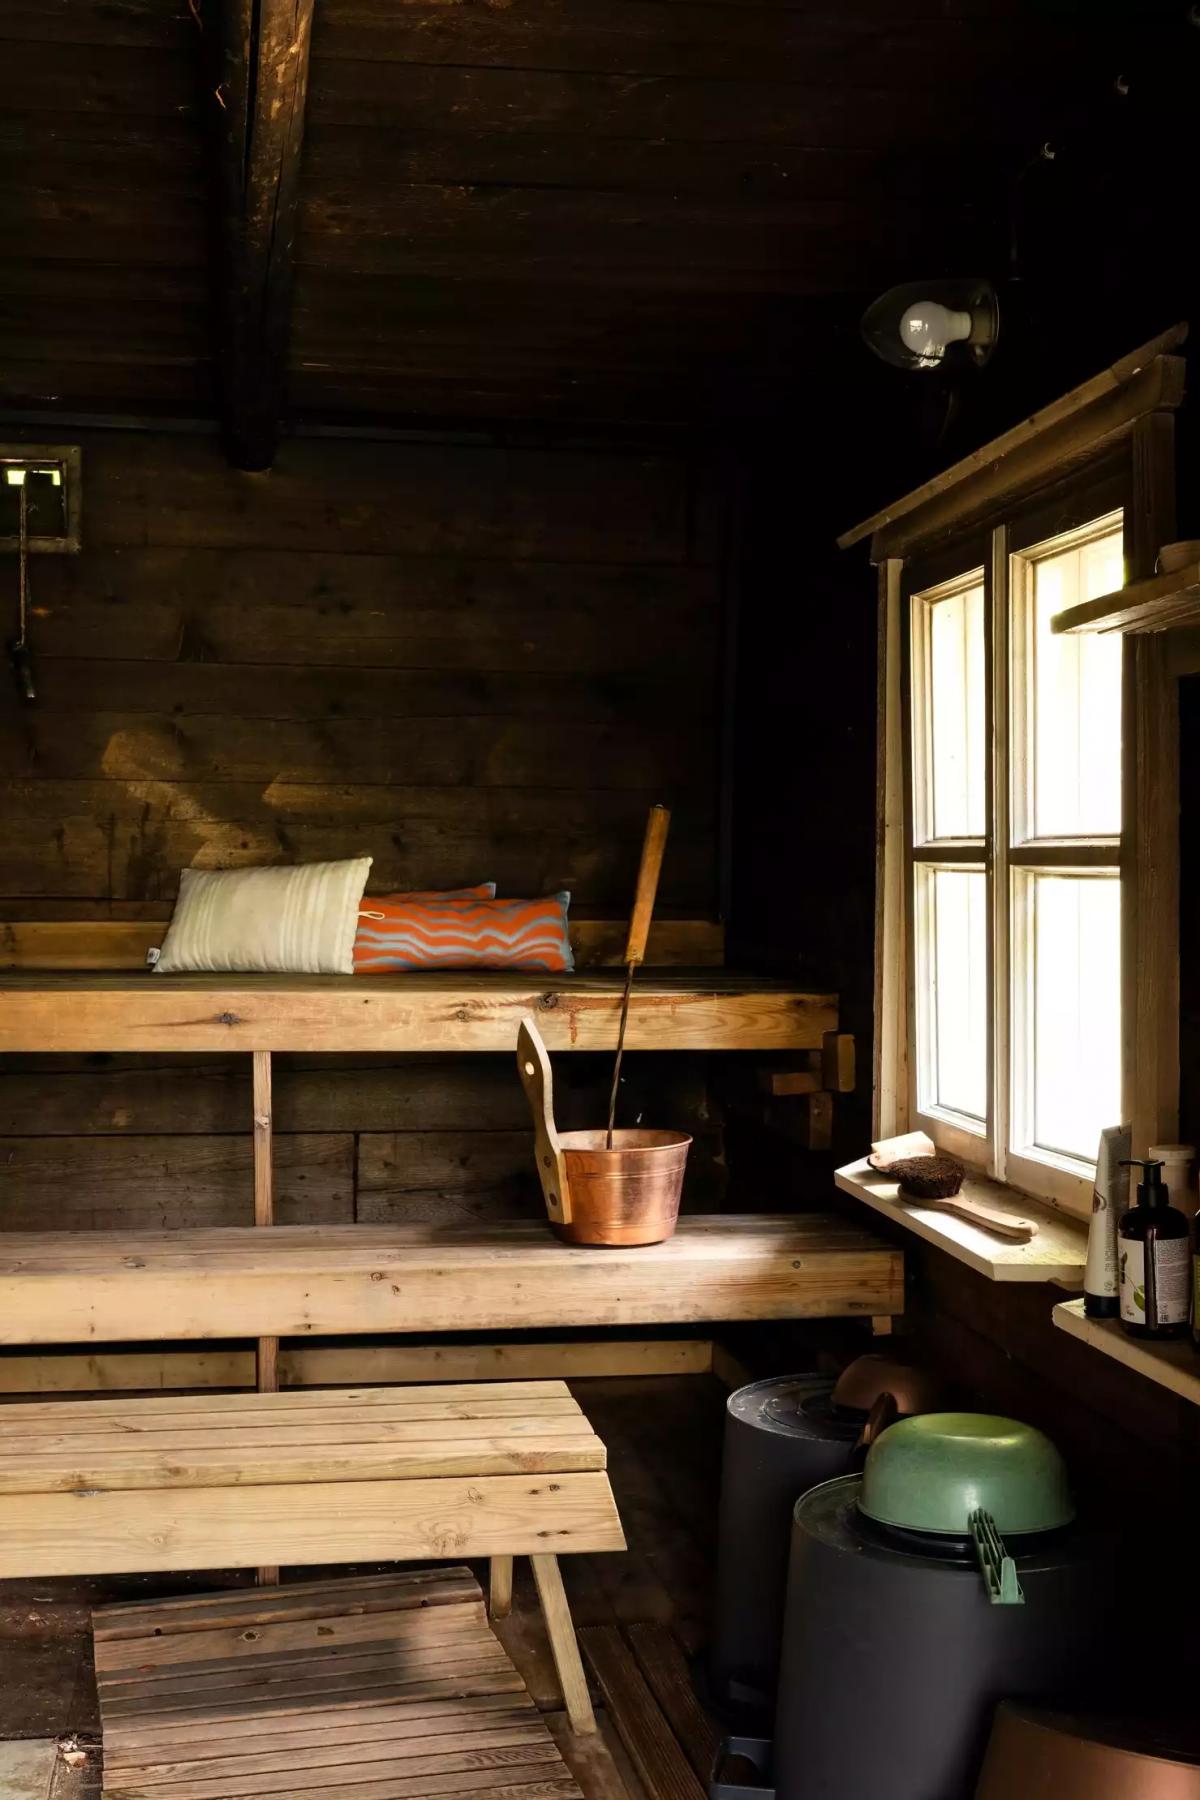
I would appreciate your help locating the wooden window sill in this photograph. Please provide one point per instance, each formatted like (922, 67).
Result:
(1172, 1365)
(1058, 1252)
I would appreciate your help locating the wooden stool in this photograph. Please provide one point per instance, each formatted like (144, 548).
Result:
(494, 1470)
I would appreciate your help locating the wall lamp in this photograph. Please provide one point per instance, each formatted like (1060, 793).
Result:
(934, 324)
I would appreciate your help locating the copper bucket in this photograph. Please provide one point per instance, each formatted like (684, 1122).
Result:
(594, 1195)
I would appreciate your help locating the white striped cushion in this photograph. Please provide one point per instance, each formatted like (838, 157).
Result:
(299, 921)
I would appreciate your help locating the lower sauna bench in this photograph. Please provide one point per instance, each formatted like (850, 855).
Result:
(297, 1281)
(113, 1486)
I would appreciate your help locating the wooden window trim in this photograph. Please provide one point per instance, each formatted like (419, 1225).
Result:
(1044, 447)
(1149, 839)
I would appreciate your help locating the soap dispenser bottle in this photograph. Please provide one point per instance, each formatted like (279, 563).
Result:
(1154, 1256)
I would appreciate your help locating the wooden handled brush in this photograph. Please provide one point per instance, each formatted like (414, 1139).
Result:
(649, 869)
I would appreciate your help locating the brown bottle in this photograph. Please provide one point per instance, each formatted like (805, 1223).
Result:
(1154, 1259)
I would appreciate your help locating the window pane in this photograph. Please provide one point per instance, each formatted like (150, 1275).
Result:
(1076, 979)
(951, 977)
(1074, 726)
(954, 708)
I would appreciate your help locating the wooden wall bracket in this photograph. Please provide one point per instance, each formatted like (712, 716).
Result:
(267, 1361)
(808, 1090)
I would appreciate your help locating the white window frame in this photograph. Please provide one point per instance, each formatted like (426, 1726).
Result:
(1019, 858)
(950, 1130)
(1123, 417)
(1006, 853)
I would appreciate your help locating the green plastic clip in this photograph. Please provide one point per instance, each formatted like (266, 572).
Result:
(997, 1567)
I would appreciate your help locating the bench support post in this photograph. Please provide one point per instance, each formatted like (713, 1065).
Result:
(264, 1214)
(500, 1587)
(564, 1646)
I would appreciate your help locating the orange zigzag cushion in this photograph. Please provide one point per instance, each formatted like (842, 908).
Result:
(462, 931)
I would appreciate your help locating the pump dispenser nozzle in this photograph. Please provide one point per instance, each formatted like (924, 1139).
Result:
(1152, 1190)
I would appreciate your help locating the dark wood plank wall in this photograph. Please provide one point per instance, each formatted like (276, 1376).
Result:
(553, 209)
(104, 285)
(616, 209)
(472, 662)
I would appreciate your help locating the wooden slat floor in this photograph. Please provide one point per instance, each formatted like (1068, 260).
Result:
(385, 1687)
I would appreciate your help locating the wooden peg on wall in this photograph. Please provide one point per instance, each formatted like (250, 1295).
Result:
(838, 1062)
(785, 1084)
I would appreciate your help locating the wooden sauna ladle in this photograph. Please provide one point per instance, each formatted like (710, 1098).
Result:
(649, 869)
(533, 1065)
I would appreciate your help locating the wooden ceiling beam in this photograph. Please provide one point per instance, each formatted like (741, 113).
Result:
(259, 105)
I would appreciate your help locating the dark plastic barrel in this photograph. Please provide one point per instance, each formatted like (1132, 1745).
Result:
(781, 1439)
(894, 1659)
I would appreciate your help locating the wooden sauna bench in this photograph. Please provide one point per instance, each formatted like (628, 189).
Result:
(50, 1010)
(297, 1281)
(301, 1280)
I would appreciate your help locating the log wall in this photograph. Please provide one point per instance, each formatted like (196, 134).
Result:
(470, 661)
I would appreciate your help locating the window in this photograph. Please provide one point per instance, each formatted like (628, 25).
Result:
(1014, 826)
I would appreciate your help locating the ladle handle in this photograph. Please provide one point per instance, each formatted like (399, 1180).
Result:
(654, 845)
(533, 1065)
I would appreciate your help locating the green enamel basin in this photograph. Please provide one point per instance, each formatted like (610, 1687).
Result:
(935, 1471)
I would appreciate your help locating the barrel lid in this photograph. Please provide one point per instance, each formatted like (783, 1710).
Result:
(789, 1405)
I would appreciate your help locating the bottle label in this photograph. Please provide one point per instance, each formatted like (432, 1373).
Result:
(1163, 1299)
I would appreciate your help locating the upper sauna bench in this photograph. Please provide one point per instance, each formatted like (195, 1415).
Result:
(83, 984)
(709, 1009)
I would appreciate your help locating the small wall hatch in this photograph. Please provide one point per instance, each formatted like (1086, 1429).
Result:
(50, 475)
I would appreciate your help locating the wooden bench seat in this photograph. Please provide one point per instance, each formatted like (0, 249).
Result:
(354, 1434)
(112, 1486)
(298, 1281)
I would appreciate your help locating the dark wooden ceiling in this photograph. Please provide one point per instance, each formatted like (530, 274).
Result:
(579, 211)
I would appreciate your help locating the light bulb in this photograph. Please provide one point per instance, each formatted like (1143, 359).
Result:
(927, 327)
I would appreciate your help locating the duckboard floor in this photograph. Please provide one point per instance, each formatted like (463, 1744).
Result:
(388, 1687)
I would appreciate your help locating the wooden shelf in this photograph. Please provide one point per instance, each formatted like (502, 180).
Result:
(1172, 1365)
(1058, 1252)
(1158, 603)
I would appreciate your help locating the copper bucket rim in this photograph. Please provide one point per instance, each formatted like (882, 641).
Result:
(593, 1141)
